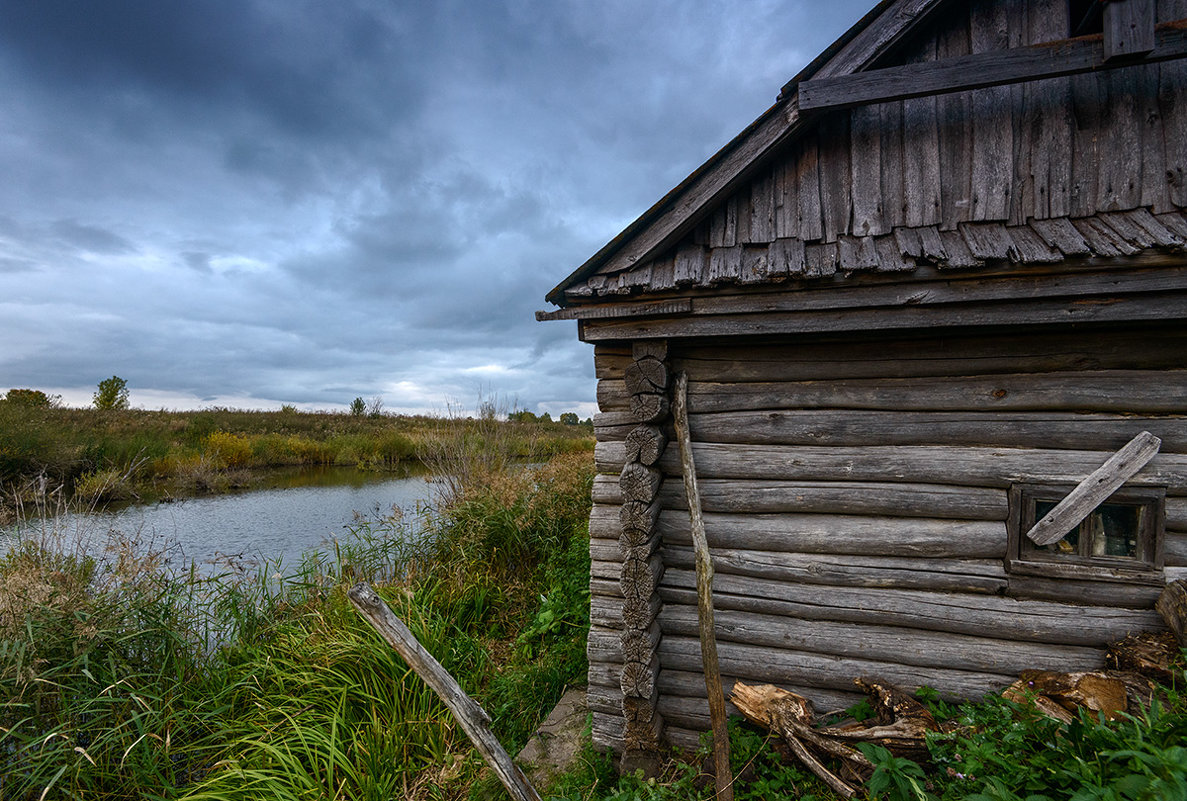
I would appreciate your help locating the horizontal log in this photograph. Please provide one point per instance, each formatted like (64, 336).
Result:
(636, 520)
(613, 425)
(607, 734)
(645, 444)
(646, 376)
(1125, 391)
(833, 570)
(1088, 593)
(777, 666)
(971, 466)
(638, 645)
(617, 613)
(1156, 273)
(1155, 348)
(1176, 514)
(1151, 307)
(605, 588)
(854, 427)
(682, 711)
(639, 578)
(948, 574)
(832, 534)
(648, 408)
(639, 482)
(637, 679)
(883, 643)
(1174, 548)
(977, 615)
(653, 349)
(844, 534)
(831, 497)
(603, 684)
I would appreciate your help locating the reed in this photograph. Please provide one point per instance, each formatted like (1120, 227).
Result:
(123, 454)
(126, 677)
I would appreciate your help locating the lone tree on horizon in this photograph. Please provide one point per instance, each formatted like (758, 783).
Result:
(112, 394)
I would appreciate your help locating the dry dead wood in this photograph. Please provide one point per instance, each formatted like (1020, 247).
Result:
(1062, 695)
(1149, 654)
(790, 716)
(1172, 605)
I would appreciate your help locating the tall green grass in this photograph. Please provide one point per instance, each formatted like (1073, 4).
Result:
(125, 679)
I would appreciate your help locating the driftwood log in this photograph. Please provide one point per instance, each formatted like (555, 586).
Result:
(472, 717)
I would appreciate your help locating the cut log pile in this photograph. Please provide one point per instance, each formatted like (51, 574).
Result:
(901, 723)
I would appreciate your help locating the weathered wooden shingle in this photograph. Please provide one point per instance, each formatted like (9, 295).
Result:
(972, 245)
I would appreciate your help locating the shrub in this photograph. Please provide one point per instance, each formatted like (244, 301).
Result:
(32, 398)
(112, 394)
(228, 450)
(358, 407)
(103, 486)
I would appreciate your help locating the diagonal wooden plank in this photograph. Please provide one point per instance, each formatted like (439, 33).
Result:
(1095, 489)
(980, 70)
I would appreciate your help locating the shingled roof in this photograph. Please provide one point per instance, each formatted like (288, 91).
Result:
(1062, 158)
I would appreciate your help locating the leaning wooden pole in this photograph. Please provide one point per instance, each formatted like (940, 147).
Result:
(700, 544)
(472, 717)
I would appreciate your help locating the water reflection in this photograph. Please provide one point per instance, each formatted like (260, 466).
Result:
(291, 512)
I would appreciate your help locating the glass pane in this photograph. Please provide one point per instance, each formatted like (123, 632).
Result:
(1113, 530)
(1070, 543)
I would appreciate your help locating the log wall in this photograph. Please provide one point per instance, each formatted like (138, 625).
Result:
(856, 502)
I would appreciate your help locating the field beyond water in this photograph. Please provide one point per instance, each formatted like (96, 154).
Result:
(106, 455)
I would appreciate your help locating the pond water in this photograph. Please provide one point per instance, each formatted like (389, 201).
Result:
(293, 512)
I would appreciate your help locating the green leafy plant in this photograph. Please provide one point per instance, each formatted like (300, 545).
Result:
(898, 778)
(112, 394)
(32, 398)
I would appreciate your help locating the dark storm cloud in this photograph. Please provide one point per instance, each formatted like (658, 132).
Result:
(294, 62)
(299, 201)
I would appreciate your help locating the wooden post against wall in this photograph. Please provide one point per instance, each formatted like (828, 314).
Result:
(704, 567)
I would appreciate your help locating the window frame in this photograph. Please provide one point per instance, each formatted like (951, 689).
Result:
(1023, 558)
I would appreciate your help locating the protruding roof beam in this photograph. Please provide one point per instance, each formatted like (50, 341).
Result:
(1128, 29)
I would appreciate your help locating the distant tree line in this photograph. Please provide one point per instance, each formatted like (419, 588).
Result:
(568, 418)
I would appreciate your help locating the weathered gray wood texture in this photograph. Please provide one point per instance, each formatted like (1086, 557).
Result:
(1034, 173)
(855, 496)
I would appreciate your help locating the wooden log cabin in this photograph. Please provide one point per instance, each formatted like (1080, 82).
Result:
(939, 282)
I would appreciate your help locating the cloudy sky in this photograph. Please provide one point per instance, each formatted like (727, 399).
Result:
(256, 202)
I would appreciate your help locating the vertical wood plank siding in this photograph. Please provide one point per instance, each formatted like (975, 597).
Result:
(968, 138)
(1107, 141)
(856, 530)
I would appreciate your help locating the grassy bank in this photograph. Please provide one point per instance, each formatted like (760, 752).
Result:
(121, 454)
(123, 679)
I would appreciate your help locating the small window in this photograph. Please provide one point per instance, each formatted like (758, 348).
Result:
(1120, 539)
